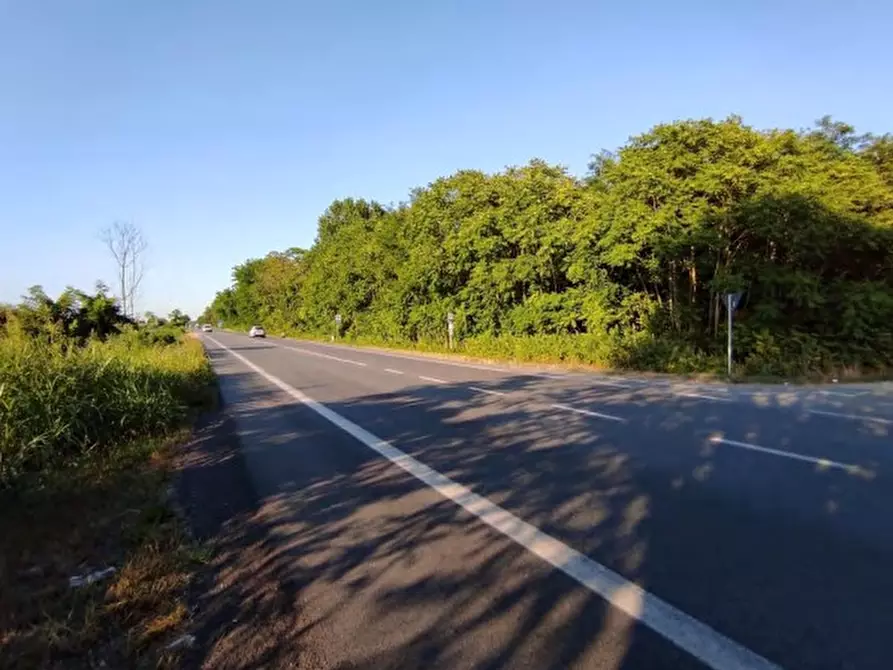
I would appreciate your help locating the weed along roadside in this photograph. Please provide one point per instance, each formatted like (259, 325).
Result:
(95, 565)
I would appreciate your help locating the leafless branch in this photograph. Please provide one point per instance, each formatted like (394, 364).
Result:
(127, 247)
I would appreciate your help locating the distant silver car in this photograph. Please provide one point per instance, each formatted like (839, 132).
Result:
(207, 328)
(257, 331)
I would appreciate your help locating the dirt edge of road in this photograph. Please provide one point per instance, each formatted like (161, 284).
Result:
(242, 616)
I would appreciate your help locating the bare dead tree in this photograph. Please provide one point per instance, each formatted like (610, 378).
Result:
(127, 247)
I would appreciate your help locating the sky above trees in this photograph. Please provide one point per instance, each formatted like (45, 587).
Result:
(223, 129)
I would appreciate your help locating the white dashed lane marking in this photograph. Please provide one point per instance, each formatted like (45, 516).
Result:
(821, 462)
(697, 638)
(854, 417)
(588, 412)
(331, 358)
(702, 396)
(487, 391)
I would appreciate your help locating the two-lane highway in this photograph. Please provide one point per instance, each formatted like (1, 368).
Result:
(488, 516)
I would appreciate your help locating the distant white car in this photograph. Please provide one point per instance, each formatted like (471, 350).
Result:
(207, 328)
(257, 331)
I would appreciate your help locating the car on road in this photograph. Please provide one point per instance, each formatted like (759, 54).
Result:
(207, 328)
(257, 331)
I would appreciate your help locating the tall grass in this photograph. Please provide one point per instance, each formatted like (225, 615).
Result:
(60, 402)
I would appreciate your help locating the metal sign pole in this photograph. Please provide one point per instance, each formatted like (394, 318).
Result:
(732, 300)
(729, 310)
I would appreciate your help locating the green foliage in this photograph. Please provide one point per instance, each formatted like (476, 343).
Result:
(75, 315)
(178, 319)
(59, 403)
(77, 377)
(154, 334)
(626, 268)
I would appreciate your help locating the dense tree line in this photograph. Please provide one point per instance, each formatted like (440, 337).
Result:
(76, 317)
(626, 267)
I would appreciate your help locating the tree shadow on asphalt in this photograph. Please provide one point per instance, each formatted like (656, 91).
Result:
(348, 561)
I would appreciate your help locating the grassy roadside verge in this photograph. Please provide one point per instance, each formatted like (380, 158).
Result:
(525, 351)
(79, 496)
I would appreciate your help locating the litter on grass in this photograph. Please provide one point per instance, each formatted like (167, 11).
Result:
(182, 642)
(90, 577)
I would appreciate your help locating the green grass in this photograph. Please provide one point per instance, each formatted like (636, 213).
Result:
(60, 403)
(86, 439)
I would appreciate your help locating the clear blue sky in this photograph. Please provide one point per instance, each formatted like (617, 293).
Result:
(224, 128)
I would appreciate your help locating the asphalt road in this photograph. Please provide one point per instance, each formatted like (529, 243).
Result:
(427, 513)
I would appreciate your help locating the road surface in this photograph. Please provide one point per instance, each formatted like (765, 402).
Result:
(429, 513)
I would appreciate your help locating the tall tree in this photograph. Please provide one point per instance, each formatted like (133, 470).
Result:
(178, 318)
(634, 260)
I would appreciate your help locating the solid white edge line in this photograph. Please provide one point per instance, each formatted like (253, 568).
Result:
(822, 462)
(855, 417)
(393, 371)
(333, 358)
(432, 379)
(487, 391)
(588, 412)
(697, 638)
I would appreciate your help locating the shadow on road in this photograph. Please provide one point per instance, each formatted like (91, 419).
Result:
(329, 556)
